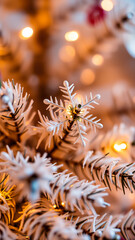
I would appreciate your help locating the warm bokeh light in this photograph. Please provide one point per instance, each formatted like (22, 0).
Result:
(26, 32)
(87, 76)
(63, 204)
(120, 147)
(107, 5)
(97, 59)
(71, 36)
(67, 53)
(54, 206)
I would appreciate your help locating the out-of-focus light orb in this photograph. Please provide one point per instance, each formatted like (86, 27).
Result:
(120, 147)
(107, 5)
(97, 59)
(67, 53)
(71, 36)
(87, 76)
(26, 32)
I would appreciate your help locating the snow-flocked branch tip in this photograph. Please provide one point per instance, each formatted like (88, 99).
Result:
(30, 178)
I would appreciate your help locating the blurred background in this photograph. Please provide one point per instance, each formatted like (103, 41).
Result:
(88, 42)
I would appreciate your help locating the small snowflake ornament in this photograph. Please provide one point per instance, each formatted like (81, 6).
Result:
(71, 117)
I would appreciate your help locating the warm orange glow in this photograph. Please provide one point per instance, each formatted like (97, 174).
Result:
(4, 51)
(63, 204)
(120, 147)
(71, 36)
(107, 5)
(67, 53)
(54, 206)
(87, 76)
(97, 59)
(26, 32)
(134, 99)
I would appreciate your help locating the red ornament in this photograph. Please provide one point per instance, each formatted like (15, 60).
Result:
(95, 14)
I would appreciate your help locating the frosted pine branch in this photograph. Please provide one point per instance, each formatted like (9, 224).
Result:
(59, 198)
(100, 228)
(14, 112)
(109, 227)
(8, 234)
(49, 130)
(127, 225)
(40, 221)
(74, 194)
(6, 98)
(7, 202)
(29, 177)
(110, 171)
(66, 230)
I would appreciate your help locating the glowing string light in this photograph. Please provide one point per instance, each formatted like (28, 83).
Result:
(97, 59)
(120, 147)
(71, 36)
(26, 32)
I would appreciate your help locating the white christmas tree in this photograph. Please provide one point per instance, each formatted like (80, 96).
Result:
(65, 176)
(53, 200)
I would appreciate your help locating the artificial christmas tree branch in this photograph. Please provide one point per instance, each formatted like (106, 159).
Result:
(66, 132)
(47, 223)
(99, 227)
(50, 196)
(53, 192)
(105, 169)
(14, 112)
(75, 194)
